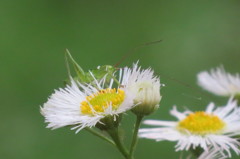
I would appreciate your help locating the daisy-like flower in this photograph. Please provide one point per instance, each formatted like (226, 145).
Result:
(146, 88)
(83, 106)
(219, 82)
(214, 127)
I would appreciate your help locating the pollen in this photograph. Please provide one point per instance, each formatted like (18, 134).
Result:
(201, 123)
(98, 102)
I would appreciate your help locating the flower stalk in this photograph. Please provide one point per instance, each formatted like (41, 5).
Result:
(114, 133)
(135, 137)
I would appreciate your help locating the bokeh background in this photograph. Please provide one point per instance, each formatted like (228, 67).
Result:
(197, 35)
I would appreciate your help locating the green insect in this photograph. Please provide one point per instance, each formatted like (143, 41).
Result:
(101, 71)
(90, 76)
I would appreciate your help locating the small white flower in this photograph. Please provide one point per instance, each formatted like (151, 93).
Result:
(219, 82)
(145, 86)
(214, 127)
(85, 105)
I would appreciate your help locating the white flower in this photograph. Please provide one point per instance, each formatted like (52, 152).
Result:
(214, 127)
(145, 86)
(85, 105)
(219, 82)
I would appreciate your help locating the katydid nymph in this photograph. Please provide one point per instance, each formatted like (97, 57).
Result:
(101, 71)
(90, 76)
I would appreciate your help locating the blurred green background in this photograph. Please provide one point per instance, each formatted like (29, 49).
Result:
(197, 35)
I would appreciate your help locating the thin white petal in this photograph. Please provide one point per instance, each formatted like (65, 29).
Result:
(160, 123)
(219, 82)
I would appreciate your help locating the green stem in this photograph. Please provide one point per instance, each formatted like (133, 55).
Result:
(115, 136)
(100, 135)
(135, 137)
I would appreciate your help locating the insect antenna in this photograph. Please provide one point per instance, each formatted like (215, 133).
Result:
(132, 51)
(196, 90)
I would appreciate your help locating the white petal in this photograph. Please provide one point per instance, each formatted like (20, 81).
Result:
(177, 114)
(160, 123)
(219, 82)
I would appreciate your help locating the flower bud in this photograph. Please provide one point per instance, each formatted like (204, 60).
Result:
(145, 87)
(147, 97)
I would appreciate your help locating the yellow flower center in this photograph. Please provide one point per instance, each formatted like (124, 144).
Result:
(101, 100)
(201, 123)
